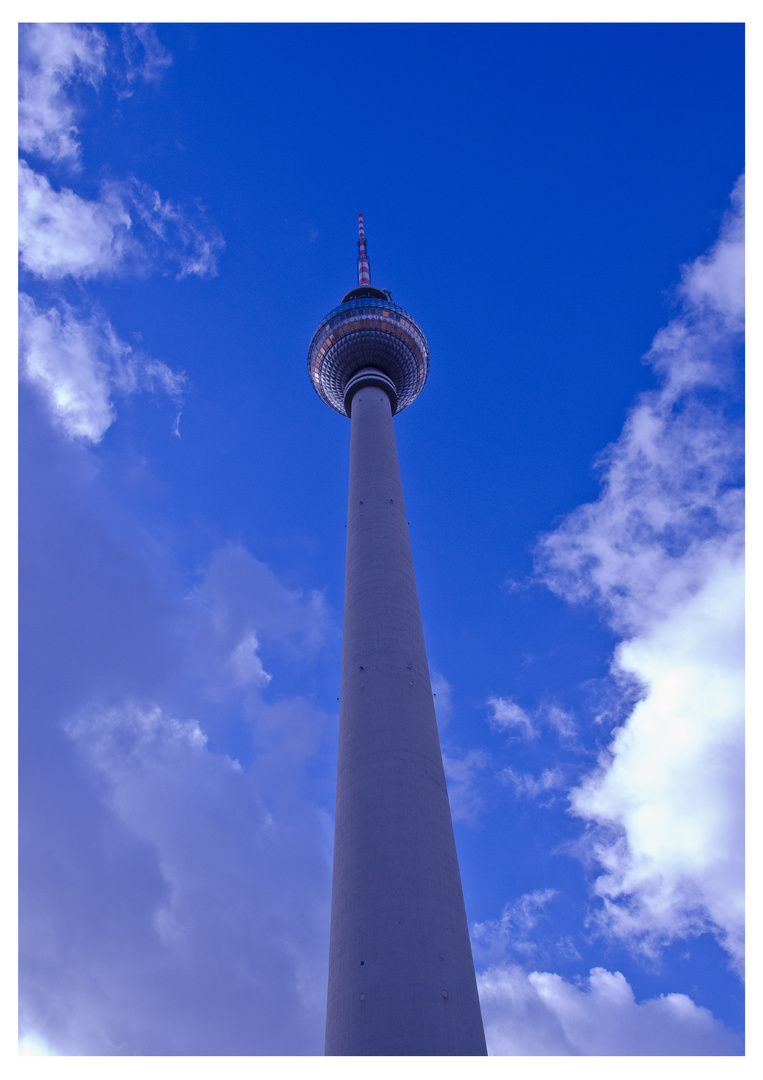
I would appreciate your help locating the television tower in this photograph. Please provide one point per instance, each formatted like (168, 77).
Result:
(401, 975)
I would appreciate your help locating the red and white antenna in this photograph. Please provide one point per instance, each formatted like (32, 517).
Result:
(364, 271)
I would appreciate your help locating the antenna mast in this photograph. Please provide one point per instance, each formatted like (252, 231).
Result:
(364, 271)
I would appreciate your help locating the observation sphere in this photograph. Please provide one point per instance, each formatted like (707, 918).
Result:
(368, 331)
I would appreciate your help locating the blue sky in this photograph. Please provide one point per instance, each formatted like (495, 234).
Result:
(561, 208)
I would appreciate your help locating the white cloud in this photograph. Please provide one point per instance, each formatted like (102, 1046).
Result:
(78, 365)
(128, 229)
(669, 794)
(661, 552)
(51, 57)
(508, 716)
(31, 1044)
(543, 1014)
(60, 233)
(64, 358)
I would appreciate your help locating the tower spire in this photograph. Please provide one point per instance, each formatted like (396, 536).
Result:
(364, 271)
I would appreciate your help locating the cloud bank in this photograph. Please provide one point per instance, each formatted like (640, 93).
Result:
(174, 898)
(661, 553)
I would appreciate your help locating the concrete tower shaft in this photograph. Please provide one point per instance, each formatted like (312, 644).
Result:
(401, 976)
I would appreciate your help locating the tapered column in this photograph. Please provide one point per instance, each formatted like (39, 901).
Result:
(401, 975)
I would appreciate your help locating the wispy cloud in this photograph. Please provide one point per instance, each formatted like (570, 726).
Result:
(544, 1014)
(562, 721)
(514, 932)
(145, 56)
(661, 553)
(506, 715)
(173, 237)
(525, 784)
(464, 773)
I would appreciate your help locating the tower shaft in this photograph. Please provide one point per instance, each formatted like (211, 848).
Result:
(401, 975)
